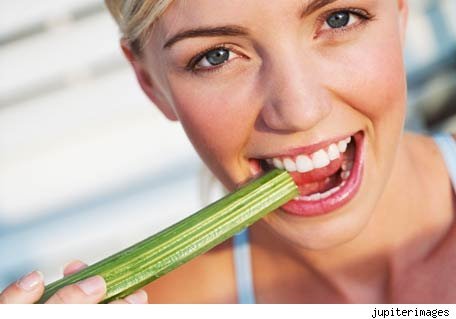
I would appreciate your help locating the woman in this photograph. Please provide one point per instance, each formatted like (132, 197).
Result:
(316, 87)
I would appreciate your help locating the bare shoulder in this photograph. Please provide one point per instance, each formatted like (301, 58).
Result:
(432, 279)
(208, 278)
(425, 153)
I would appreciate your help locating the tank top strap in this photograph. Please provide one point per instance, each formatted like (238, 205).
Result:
(447, 146)
(243, 268)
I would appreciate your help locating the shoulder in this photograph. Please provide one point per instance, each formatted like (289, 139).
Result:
(424, 153)
(208, 278)
(430, 278)
(423, 146)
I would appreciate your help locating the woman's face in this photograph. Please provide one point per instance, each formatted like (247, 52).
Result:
(261, 83)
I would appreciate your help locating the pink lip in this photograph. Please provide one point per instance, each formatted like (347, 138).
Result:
(308, 149)
(341, 197)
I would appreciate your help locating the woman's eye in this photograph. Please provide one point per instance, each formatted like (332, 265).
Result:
(340, 19)
(214, 58)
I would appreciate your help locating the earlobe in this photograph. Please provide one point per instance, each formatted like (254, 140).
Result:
(146, 82)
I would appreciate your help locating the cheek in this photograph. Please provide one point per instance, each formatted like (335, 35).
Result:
(369, 76)
(218, 117)
(372, 77)
(384, 98)
(384, 83)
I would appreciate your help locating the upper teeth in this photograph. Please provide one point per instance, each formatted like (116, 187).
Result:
(318, 159)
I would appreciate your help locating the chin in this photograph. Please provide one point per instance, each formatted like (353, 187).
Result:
(319, 233)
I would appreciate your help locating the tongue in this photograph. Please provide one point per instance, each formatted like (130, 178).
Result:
(317, 175)
(319, 186)
(322, 179)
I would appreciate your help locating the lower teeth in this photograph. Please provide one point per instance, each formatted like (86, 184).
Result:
(345, 175)
(318, 196)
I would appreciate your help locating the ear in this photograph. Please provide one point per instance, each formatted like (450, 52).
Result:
(146, 82)
(403, 11)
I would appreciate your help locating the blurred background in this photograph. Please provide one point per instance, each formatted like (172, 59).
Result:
(88, 166)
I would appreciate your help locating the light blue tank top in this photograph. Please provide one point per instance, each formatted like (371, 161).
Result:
(242, 262)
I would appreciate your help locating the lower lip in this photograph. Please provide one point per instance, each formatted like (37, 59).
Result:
(338, 199)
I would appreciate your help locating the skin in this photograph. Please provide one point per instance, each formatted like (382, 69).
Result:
(30, 288)
(290, 82)
(294, 82)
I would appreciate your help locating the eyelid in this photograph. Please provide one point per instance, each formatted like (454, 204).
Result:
(195, 59)
(191, 65)
(359, 13)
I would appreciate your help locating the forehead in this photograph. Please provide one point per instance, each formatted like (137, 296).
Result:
(183, 14)
(195, 13)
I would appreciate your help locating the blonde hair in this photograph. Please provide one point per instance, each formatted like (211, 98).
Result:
(136, 17)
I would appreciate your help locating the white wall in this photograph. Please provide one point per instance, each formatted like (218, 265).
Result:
(88, 165)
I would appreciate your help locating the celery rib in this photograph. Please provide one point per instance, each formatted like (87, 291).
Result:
(155, 256)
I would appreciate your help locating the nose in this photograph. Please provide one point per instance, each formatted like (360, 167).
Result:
(295, 97)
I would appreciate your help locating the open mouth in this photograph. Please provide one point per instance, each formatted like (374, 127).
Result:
(328, 175)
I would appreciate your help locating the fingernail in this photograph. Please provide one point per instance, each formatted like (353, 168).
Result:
(31, 281)
(73, 266)
(139, 297)
(92, 286)
(70, 263)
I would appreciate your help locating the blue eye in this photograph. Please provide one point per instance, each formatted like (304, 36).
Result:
(215, 57)
(338, 19)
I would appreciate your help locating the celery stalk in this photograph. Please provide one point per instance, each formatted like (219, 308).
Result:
(140, 264)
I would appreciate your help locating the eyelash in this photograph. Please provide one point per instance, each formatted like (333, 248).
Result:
(359, 13)
(191, 65)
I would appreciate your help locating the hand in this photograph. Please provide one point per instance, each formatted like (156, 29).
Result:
(30, 288)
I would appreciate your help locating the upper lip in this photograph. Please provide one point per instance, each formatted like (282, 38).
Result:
(308, 149)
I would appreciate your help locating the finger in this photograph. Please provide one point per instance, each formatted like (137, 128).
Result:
(90, 290)
(28, 289)
(73, 267)
(138, 297)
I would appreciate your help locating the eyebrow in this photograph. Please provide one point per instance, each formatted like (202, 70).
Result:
(314, 5)
(227, 30)
(230, 30)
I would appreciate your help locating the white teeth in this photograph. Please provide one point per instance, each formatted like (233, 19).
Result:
(333, 152)
(315, 196)
(320, 159)
(289, 165)
(342, 145)
(345, 175)
(304, 164)
(277, 163)
(318, 196)
(346, 166)
(330, 192)
(325, 194)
